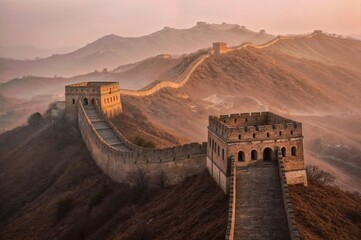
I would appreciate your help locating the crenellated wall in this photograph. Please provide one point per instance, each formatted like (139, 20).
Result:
(292, 227)
(174, 164)
(180, 82)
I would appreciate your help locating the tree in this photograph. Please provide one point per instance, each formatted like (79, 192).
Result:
(35, 119)
(315, 174)
(139, 179)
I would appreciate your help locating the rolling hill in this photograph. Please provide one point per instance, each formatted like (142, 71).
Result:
(315, 80)
(111, 51)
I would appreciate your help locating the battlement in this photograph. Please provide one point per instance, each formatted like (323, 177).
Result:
(220, 47)
(253, 126)
(250, 137)
(107, 94)
(318, 31)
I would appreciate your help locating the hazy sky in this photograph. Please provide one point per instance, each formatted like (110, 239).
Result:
(61, 23)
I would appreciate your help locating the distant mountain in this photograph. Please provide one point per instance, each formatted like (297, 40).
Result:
(111, 51)
(24, 52)
(131, 76)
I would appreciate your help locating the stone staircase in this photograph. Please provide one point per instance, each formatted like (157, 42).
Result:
(259, 211)
(103, 128)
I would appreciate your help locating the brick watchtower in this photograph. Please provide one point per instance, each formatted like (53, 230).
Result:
(254, 137)
(106, 94)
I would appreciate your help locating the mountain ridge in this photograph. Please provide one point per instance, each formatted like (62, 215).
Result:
(111, 50)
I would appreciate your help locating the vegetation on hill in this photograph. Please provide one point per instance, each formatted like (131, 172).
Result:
(51, 189)
(326, 212)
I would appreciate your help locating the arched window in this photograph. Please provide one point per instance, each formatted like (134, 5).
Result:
(291, 132)
(93, 101)
(239, 136)
(267, 134)
(218, 151)
(223, 154)
(254, 155)
(209, 142)
(73, 101)
(241, 156)
(85, 101)
(246, 120)
(235, 120)
(283, 150)
(280, 133)
(105, 101)
(294, 151)
(254, 135)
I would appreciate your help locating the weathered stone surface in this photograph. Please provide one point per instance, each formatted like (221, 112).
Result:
(260, 211)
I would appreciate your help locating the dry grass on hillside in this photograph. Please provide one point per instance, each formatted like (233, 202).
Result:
(50, 188)
(325, 212)
(134, 124)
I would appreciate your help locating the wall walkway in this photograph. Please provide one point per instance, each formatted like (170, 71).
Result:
(259, 210)
(260, 207)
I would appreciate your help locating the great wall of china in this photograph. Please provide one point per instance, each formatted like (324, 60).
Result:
(118, 158)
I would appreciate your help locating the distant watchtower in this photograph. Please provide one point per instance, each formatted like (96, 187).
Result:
(254, 137)
(106, 94)
(220, 47)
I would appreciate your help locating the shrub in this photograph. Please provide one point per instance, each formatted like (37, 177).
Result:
(35, 119)
(162, 180)
(315, 174)
(139, 179)
(63, 207)
(144, 143)
(99, 196)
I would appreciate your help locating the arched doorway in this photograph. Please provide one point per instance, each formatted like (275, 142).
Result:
(93, 101)
(241, 157)
(85, 101)
(267, 154)
(254, 155)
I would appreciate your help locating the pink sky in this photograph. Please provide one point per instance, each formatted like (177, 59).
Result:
(60, 23)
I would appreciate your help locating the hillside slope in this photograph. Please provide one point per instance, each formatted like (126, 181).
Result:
(325, 212)
(51, 189)
(277, 80)
(112, 50)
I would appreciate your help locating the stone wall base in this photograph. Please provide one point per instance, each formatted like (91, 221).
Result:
(296, 177)
(221, 179)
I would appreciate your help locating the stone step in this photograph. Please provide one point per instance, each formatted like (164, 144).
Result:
(259, 203)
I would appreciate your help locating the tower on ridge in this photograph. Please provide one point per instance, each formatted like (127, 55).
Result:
(251, 138)
(105, 94)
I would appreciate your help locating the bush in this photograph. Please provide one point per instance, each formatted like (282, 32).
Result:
(63, 207)
(144, 143)
(35, 119)
(99, 196)
(315, 174)
(139, 179)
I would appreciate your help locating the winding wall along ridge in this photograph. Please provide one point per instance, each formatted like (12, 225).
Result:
(183, 79)
(174, 164)
(178, 162)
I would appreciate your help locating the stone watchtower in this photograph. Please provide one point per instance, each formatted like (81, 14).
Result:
(220, 47)
(106, 94)
(254, 137)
